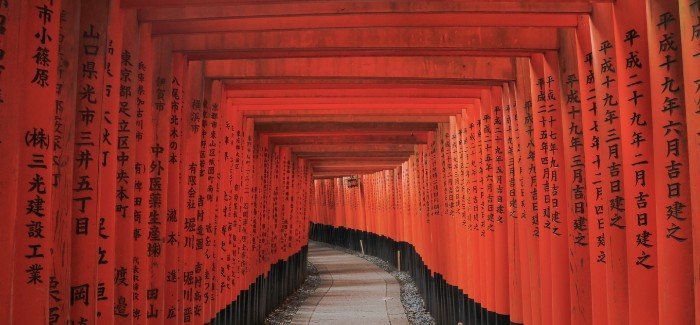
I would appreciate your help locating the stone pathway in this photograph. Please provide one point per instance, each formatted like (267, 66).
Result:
(352, 291)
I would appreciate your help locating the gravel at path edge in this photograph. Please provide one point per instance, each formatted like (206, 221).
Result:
(286, 311)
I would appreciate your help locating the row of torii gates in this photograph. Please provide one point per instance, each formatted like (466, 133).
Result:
(162, 160)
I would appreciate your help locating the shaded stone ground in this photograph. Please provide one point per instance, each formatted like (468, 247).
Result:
(352, 289)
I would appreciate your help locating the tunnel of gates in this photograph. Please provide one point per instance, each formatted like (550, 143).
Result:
(532, 162)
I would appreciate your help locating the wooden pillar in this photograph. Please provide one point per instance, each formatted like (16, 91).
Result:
(607, 83)
(689, 11)
(125, 158)
(594, 190)
(671, 164)
(85, 288)
(204, 213)
(143, 142)
(63, 145)
(10, 15)
(636, 136)
(512, 179)
(107, 158)
(542, 167)
(529, 192)
(191, 135)
(172, 240)
(479, 214)
(574, 163)
(36, 24)
(458, 201)
(559, 187)
(500, 227)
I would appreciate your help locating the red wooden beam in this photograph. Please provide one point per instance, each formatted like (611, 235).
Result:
(362, 81)
(339, 128)
(366, 110)
(356, 118)
(369, 109)
(349, 52)
(350, 90)
(282, 8)
(352, 148)
(292, 101)
(361, 20)
(350, 139)
(472, 68)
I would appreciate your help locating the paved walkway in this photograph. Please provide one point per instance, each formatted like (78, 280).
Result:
(352, 291)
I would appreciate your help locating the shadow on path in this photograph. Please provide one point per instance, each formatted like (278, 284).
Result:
(352, 291)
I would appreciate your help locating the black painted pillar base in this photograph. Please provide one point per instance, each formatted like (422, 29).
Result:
(253, 304)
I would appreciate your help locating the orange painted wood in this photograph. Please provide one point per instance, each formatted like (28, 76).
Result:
(559, 187)
(157, 170)
(107, 181)
(34, 135)
(541, 144)
(545, 172)
(9, 166)
(594, 190)
(512, 213)
(573, 163)
(269, 23)
(688, 13)
(377, 67)
(671, 164)
(172, 239)
(500, 215)
(126, 176)
(191, 136)
(607, 83)
(636, 136)
(529, 193)
(521, 114)
(244, 9)
(219, 218)
(205, 212)
(484, 253)
(144, 142)
(85, 231)
(458, 202)
(63, 160)
(223, 42)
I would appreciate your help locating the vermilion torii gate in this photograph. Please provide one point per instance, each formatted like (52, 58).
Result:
(533, 161)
